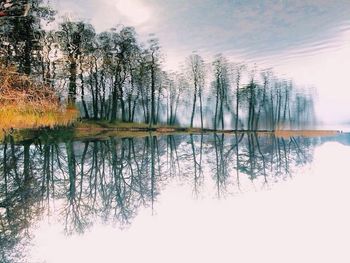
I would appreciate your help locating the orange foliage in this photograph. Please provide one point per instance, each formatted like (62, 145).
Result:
(20, 90)
(25, 103)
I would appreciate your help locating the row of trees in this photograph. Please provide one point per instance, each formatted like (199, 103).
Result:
(112, 76)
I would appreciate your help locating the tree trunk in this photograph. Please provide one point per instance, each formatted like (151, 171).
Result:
(153, 84)
(86, 112)
(201, 108)
(237, 105)
(72, 90)
(114, 102)
(194, 103)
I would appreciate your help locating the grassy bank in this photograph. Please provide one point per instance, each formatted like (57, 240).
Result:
(26, 103)
(22, 122)
(12, 117)
(103, 130)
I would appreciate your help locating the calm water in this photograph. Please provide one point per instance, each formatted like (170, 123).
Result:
(210, 198)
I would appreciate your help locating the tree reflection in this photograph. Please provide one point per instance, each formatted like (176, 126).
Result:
(81, 182)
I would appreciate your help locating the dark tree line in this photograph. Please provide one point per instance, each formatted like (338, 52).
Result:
(112, 76)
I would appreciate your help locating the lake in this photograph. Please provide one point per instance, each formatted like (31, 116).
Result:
(176, 198)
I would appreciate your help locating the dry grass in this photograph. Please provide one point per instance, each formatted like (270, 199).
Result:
(106, 125)
(21, 91)
(304, 133)
(25, 103)
(23, 118)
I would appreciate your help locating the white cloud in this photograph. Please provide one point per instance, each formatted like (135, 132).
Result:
(135, 11)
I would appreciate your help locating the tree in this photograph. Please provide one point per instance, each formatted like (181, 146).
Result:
(196, 71)
(176, 85)
(237, 74)
(76, 40)
(221, 87)
(21, 34)
(153, 63)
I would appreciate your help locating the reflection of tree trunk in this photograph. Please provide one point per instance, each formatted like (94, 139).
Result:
(217, 166)
(71, 169)
(195, 165)
(46, 171)
(138, 168)
(26, 163)
(286, 161)
(26, 190)
(251, 154)
(52, 169)
(114, 163)
(201, 154)
(237, 159)
(262, 156)
(82, 163)
(4, 163)
(272, 152)
(174, 160)
(13, 156)
(299, 151)
(94, 170)
(153, 178)
(279, 154)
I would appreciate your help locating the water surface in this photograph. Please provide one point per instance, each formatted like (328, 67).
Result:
(183, 198)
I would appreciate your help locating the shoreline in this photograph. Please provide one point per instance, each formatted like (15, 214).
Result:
(102, 130)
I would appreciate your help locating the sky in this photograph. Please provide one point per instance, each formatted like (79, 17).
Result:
(305, 40)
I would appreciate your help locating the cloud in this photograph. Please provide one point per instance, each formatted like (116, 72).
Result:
(135, 11)
(251, 26)
(104, 14)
